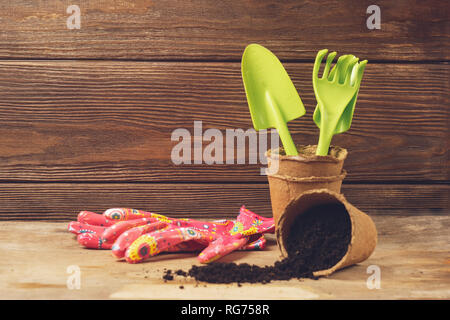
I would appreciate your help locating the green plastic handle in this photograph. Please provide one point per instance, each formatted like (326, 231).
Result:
(327, 127)
(281, 126)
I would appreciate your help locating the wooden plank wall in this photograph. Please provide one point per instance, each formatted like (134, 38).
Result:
(86, 115)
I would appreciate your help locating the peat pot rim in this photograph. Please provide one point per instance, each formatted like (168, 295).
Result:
(306, 153)
(310, 179)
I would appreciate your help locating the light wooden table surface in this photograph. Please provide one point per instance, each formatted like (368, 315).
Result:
(413, 255)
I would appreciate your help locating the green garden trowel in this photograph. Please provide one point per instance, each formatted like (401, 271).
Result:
(272, 98)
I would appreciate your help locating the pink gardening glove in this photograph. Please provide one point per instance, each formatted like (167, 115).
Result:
(137, 235)
(246, 233)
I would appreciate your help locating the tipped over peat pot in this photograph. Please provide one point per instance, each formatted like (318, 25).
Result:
(290, 176)
(340, 234)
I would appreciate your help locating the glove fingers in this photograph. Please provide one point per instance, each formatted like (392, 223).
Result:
(220, 248)
(92, 241)
(255, 222)
(78, 227)
(94, 219)
(131, 214)
(113, 232)
(128, 237)
(258, 244)
(218, 226)
(154, 243)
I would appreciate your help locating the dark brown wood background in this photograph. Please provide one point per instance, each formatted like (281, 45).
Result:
(86, 115)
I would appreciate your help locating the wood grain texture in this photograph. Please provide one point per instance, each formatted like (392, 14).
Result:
(63, 201)
(209, 30)
(112, 121)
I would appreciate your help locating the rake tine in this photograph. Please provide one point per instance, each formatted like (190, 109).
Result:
(318, 62)
(330, 59)
(349, 71)
(361, 67)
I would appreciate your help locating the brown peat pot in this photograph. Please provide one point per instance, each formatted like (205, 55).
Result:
(357, 242)
(290, 176)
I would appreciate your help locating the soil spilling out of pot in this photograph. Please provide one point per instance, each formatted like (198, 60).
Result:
(317, 240)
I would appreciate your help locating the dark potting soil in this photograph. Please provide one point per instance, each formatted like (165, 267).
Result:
(318, 240)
